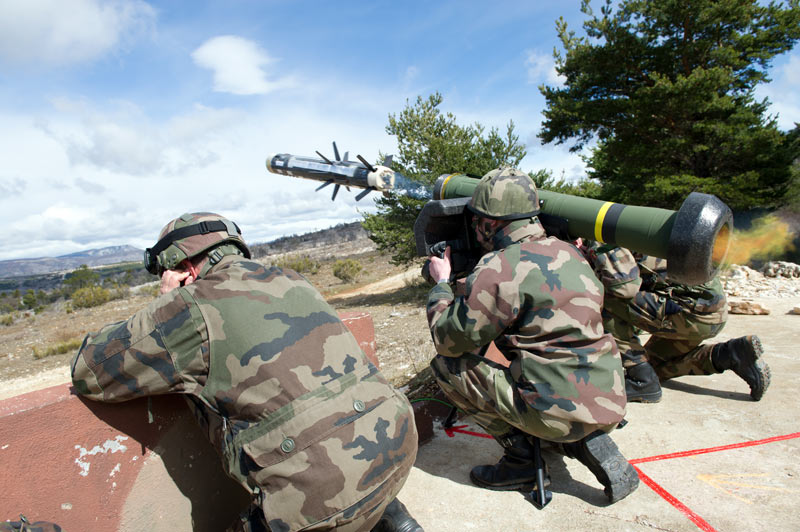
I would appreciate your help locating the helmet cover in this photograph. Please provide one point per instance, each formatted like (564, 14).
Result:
(190, 235)
(505, 194)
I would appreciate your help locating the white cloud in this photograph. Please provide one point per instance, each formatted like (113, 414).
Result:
(153, 169)
(11, 187)
(782, 91)
(411, 75)
(541, 68)
(56, 32)
(791, 70)
(238, 65)
(123, 140)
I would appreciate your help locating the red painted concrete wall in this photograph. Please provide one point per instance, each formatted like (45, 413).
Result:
(132, 466)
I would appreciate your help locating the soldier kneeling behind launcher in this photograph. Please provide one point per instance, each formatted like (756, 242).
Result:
(679, 319)
(537, 299)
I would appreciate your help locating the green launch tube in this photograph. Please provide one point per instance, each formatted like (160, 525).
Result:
(693, 239)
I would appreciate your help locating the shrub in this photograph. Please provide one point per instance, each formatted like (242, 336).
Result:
(7, 319)
(347, 270)
(118, 291)
(57, 349)
(300, 264)
(90, 296)
(152, 290)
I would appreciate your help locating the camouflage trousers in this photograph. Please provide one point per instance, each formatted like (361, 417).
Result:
(486, 391)
(675, 347)
(352, 519)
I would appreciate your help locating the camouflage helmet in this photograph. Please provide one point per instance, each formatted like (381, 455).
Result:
(188, 236)
(505, 194)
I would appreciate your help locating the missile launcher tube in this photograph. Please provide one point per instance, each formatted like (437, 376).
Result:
(694, 239)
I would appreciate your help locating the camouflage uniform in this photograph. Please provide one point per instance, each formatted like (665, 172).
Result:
(300, 416)
(616, 268)
(537, 299)
(678, 317)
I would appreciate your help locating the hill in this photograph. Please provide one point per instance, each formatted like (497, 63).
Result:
(63, 263)
(49, 266)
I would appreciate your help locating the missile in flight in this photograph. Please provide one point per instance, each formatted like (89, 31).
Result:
(338, 172)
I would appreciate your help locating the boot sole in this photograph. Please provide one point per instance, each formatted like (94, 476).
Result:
(520, 486)
(617, 476)
(761, 369)
(646, 398)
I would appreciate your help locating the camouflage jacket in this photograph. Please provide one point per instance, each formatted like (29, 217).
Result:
(278, 382)
(707, 300)
(615, 267)
(539, 301)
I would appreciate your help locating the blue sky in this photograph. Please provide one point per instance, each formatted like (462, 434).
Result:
(117, 116)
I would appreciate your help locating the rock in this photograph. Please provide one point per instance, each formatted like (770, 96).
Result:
(746, 307)
(781, 269)
(795, 310)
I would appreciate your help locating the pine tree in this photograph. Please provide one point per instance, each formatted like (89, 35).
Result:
(665, 88)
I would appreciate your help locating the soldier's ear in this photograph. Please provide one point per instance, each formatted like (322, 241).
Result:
(193, 270)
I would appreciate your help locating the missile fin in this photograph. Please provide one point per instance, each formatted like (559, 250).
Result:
(387, 161)
(324, 158)
(346, 156)
(366, 164)
(336, 151)
(364, 193)
(335, 191)
(323, 185)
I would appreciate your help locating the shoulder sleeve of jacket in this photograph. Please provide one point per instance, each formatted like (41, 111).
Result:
(136, 358)
(465, 323)
(619, 273)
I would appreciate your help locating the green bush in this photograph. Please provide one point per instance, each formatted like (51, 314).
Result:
(7, 319)
(347, 270)
(90, 296)
(300, 264)
(57, 349)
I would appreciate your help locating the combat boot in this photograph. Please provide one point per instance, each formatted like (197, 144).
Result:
(599, 453)
(397, 519)
(516, 470)
(743, 356)
(641, 384)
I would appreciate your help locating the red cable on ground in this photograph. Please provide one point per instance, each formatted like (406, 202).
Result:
(715, 449)
(693, 517)
(667, 496)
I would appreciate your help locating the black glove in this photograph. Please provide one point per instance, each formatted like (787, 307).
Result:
(670, 307)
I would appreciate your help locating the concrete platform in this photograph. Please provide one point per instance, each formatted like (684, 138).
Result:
(709, 458)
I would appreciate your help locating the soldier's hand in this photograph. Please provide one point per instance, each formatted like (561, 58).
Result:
(440, 267)
(172, 279)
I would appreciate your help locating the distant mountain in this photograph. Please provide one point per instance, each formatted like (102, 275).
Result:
(339, 234)
(92, 258)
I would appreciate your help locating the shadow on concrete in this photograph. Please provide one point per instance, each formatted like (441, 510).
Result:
(682, 386)
(165, 426)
